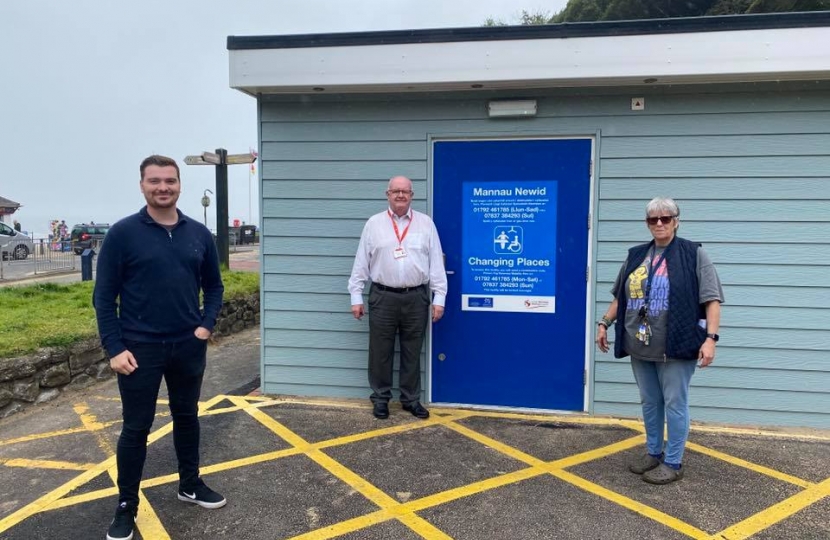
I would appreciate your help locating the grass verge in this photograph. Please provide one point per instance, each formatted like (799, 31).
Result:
(53, 315)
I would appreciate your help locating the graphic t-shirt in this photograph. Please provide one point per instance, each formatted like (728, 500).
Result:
(709, 288)
(658, 305)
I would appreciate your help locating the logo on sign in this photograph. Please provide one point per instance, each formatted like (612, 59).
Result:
(480, 302)
(536, 304)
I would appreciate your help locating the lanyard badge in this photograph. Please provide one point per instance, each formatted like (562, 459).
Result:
(400, 252)
(644, 332)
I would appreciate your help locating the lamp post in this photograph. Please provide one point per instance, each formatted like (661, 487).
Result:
(206, 202)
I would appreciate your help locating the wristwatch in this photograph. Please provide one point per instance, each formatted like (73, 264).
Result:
(714, 337)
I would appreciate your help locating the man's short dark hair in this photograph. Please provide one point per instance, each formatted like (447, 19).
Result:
(159, 161)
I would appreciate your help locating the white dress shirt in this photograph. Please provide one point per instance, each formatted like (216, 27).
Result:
(375, 258)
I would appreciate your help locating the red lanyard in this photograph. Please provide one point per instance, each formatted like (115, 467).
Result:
(398, 235)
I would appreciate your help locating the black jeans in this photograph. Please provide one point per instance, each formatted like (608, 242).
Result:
(182, 364)
(405, 315)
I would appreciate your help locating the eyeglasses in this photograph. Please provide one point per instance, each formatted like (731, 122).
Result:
(397, 192)
(665, 220)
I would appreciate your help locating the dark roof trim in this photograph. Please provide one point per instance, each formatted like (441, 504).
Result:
(549, 31)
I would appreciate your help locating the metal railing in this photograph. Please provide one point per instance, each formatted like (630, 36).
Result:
(23, 258)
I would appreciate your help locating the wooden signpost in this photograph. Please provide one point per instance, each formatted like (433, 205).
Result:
(220, 159)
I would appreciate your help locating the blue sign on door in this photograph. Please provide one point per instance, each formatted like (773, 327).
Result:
(509, 246)
(512, 215)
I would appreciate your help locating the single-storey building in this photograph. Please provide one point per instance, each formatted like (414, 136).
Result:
(535, 150)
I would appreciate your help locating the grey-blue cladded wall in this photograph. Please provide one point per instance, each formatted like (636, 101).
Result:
(749, 166)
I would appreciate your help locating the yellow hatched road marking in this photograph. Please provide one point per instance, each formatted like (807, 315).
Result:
(555, 468)
(775, 513)
(749, 465)
(344, 474)
(46, 464)
(151, 527)
(44, 501)
(631, 504)
(147, 521)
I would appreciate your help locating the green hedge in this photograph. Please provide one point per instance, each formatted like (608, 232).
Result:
(50, 314)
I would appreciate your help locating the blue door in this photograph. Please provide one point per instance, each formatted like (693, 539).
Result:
(513, 220)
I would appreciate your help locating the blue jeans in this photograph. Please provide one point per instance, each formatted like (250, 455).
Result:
(182, 364)
(664, 393)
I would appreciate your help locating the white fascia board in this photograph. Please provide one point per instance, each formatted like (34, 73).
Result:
(729, 56)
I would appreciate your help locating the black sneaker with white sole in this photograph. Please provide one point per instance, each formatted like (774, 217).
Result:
(203, 496)
(123, 523)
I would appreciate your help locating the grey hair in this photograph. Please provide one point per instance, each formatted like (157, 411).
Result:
(389, 184)
(665, 204)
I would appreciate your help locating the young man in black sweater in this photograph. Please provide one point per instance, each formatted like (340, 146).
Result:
(151, 269)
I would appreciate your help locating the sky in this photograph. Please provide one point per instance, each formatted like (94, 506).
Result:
(89, 88)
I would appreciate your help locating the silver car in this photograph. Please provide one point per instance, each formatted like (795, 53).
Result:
(13, 244)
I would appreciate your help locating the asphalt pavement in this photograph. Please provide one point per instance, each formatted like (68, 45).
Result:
(316, 469)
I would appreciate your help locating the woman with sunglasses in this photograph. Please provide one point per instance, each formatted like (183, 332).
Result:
(666, 313)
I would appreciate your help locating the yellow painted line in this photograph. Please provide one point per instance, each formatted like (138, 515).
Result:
(82, 498)
(823, 435)
(749, 465)
(377, 496)
(631, 504)
(46, 464)
(223, 410)
(38, 436)
(225, 466)
(148, 522)
(565, 419)
(286, 434)
(357, 482)
(497, 445)
(596, 453)
(44, 501)
(470, 489)
(344, 474)
(90, 422)
(554, 468)
(345, 527)
(402, 428)
(423, 527)
(772, 515)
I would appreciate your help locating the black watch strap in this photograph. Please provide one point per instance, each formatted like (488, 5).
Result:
(714, 337)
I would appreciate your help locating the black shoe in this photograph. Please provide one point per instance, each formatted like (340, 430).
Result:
(417, 409)
(203, 496)
(123, 523)
(381, 410)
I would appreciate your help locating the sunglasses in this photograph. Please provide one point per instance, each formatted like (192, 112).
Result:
(665, 220)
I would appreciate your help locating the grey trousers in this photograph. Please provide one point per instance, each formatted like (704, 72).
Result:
(405, 315)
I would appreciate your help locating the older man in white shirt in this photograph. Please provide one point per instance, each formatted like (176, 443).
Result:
(400, 252)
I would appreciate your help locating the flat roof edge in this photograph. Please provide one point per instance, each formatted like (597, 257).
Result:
(677, 25)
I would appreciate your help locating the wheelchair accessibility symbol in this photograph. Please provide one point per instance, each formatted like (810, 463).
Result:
(508, 239)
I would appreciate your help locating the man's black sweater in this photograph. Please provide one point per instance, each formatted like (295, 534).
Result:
(148, 281)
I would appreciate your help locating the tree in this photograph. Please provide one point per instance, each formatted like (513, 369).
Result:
(617, 10)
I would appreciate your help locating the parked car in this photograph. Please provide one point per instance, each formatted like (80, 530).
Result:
(14, 244)
(87, 235)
